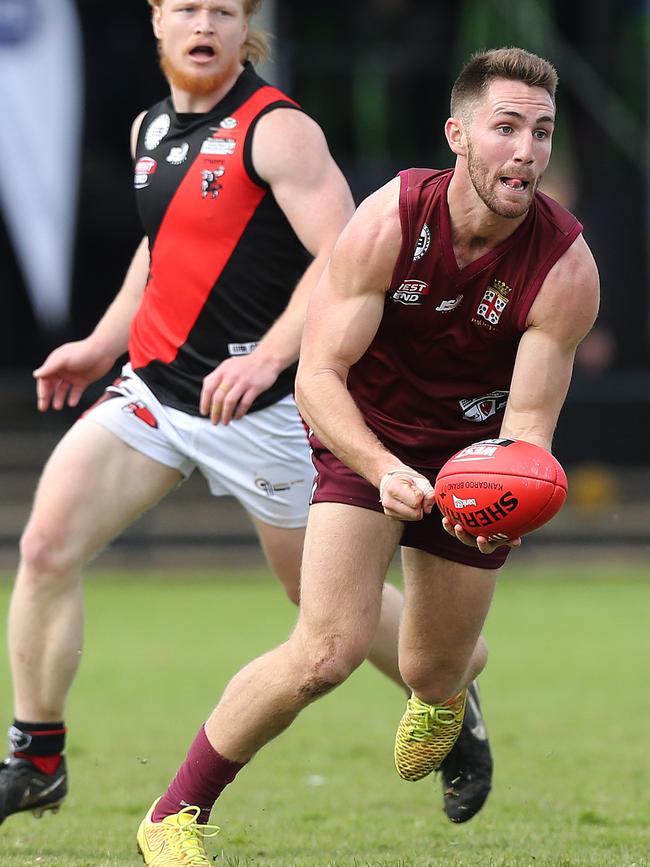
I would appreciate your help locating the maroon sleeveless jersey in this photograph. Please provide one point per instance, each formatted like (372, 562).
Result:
(437, 375)
(224, 258)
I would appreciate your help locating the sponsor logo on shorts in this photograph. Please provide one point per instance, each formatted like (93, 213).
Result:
(241, 348)
(144, 168)
(156, 131)
(411, 292)
(140, 410)
(273, 488)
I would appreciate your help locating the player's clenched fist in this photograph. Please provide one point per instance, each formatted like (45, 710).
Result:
(406, 494)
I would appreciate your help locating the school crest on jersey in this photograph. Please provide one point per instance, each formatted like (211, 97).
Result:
(494, 302)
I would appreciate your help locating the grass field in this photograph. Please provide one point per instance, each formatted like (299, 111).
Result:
(566, 699)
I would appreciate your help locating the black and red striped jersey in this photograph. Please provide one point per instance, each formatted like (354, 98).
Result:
(437, 375)
(224, 259)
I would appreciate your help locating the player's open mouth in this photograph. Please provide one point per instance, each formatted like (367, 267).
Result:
(202, 52)
(516, 184)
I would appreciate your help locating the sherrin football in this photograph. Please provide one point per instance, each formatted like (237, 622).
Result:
(501, 488)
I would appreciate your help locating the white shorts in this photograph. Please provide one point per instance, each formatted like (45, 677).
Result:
(262, 459)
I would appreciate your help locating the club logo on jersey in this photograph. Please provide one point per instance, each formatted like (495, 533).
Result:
(178, 155)
(217, 147)
(423, 244)
(144, 168)
(480, 409)
(156, 131)
(411, 292)
(494, 302)
(210, 185)
(449, 305)
(228, 123)
(140, 410)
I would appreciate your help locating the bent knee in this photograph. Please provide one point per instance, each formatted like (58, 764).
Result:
(45, 555)
(328, 664)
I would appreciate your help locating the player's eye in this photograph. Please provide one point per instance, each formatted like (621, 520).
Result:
(541, 134)
(504, 129)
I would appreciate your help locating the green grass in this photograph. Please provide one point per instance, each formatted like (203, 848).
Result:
(566, 697)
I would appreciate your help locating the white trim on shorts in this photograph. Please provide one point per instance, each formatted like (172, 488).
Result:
(262, 459)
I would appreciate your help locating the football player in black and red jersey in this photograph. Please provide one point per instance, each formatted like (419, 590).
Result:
(241, 204)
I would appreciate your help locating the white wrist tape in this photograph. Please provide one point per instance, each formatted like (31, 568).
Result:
(418, 480)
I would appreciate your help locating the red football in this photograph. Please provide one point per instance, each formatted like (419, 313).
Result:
(501, 489)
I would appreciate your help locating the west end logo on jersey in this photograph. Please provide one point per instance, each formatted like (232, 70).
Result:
(219, 146)
(494, 302)
(478, 409)
(210, 185)
(178, 155)
(144, 168)
(423, 244)
(411, 292)
(228, 123)
(156, 131)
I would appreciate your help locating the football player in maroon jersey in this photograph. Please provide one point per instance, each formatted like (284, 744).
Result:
(446, 288)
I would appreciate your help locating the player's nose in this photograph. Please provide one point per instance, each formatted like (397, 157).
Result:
(524, 152)
(204, 22)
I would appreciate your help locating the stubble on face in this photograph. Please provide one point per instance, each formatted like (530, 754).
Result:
(486, 185)
(196, 84)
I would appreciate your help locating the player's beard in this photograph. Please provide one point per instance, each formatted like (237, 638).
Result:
(481, 176)
(194, 83)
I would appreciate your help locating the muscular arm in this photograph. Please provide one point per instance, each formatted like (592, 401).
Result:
(562, 314)
(344, 312)
(290, 153)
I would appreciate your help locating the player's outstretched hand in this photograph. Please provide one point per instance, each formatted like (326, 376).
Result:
(67, 371)
(231, 388)
(406, 495)
(481, 542)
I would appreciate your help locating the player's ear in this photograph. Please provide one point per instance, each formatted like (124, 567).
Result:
(155, 21)
(455, 134)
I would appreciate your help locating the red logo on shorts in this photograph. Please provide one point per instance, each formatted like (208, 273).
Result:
(141, 410)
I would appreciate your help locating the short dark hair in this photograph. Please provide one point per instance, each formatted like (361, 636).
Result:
(511, 63)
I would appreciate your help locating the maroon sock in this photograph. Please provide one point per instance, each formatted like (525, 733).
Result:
(199, 781)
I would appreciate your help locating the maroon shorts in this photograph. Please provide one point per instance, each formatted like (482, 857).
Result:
(337, 483)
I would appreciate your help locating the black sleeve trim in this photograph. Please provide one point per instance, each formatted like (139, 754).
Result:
(248, 143)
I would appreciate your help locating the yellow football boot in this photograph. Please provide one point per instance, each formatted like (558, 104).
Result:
(177, 841)
(426, 735)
